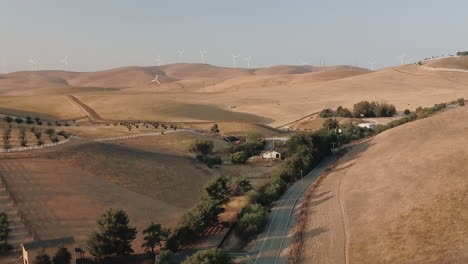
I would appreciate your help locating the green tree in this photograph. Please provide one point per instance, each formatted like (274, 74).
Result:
(242, 185)
(154, 234)
(63, 256)
(326, 113)
(252, 220)
(201, 146)
(218, 190)
(42, 258)
(240, 157)
(331, 124)
(343, 112)
(164, 257)
(363, 109)
(114, 235)
(210, 256)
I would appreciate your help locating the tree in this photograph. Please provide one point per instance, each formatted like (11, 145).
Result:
(164, 257)
(42, 258)
(4, 233)
(343, 112)
(252, 220)
(331, 124)
(18, 120)
(326, 113)
(114, 235)
(201, 146)
(63, 256)
(363, 109)
(210, 256)
(214, 128)
(242, 185)
(240, 157)
(154, 234)
(461, 101)
(218, 190)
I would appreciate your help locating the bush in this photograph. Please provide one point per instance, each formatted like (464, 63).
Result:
(64, 134)
(50, 131)
(18, 120)
(461, 101)
(201, 146)
(252, 219)
(326, 113)
(164, 257)
(8, 119)
(210, 256)
(214, 128)
(251, 148)
(239, 157)
(210, 160)
(406, 112)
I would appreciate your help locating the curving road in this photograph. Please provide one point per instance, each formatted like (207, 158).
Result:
(269, 247)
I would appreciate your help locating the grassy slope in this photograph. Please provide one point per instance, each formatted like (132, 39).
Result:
(405, 196)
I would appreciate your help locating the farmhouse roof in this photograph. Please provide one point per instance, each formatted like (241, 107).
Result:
(48, 243)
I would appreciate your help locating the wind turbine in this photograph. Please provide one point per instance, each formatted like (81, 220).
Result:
(303, 62)
(4, 65)
(158, 60)
(234, 60)
(64, 61)
(180, 52)
(203, 55)
(33, 64)
(155, 80)
(372, 63)
(402, 59)
(248, 59)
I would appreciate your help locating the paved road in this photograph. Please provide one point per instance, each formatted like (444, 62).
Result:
(270, 244)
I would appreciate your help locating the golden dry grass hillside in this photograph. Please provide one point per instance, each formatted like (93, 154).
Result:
(405, 197)
(450, 63)
(201, 92)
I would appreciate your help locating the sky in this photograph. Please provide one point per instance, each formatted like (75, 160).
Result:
(103, 34)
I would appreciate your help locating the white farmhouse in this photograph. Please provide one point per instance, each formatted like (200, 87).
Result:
(271, 155)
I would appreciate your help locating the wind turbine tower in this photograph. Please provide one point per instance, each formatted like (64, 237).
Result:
(372, 63)
(248, 59)
(203, 54)
(180, 52)
(234, 60)
(64, 61)
(158, 60)
(402, 59)
(33, 64)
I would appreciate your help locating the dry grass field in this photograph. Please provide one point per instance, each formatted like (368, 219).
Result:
(200, 92)
(450, 63)
(401, 197)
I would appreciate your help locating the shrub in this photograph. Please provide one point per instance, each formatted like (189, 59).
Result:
(252, 219)
(164, 257)
(406, 112)
(50, 131)
(461, 101)
(18, 120)
(211, 160)
(240, 157)
(201, 146)
(8, 119)
(64, 134)
(38, 134)
(210, 256)
(250, 148)
(325, 113)
(214, 128)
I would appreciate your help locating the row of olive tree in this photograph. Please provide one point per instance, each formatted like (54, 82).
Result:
(4, 233)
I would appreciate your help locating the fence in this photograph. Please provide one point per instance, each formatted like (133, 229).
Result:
(34, 147)
(18, 211)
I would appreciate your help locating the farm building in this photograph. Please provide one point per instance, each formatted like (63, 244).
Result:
(271, 155)
(50, 247)
(372, 126)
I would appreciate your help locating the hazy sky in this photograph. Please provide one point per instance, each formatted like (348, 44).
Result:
(101, 34)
